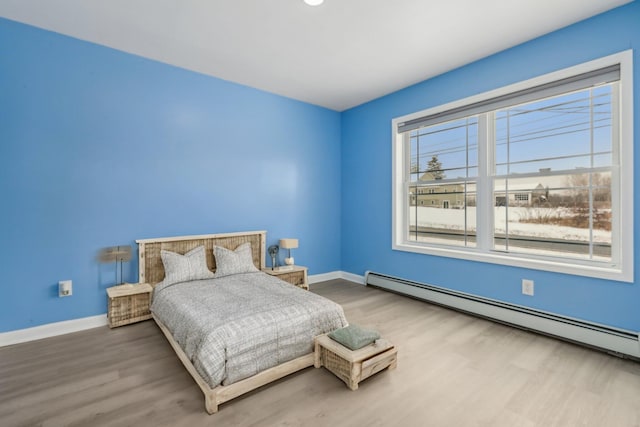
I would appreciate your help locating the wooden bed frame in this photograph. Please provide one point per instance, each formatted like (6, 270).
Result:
(151, 271)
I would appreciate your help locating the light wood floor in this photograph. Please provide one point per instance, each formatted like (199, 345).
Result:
(453, 370)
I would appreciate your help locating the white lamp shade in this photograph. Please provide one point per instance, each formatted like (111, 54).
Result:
(288, 243)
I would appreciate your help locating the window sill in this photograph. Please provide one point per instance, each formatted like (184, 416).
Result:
(608, 272)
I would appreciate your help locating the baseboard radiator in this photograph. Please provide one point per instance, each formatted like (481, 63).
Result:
(618, 341)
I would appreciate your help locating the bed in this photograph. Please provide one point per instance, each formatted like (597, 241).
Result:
(238, 332)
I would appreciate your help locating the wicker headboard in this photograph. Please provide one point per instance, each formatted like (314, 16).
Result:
(150, 265)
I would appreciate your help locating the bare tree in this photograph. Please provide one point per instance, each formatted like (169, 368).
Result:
(579, 186)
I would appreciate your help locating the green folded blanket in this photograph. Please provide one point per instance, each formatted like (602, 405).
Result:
(354, 337)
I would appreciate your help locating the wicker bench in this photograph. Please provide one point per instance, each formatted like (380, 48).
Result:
(353, 366)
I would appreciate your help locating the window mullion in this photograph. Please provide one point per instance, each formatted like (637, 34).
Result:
(486, 169)
(591, 165)
(406, 143)
(616, 183)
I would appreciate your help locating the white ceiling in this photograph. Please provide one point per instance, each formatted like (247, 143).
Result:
(337, 55)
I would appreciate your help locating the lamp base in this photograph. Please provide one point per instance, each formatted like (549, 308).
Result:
(288, 261)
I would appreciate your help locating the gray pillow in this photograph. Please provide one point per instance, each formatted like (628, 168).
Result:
(354, 337)
(234, 262)
(183, 268)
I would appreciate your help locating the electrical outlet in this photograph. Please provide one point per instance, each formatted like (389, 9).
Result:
(527, 287)
(65, 288)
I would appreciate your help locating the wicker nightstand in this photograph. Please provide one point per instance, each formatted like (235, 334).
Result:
(128, 303)
(295, 275)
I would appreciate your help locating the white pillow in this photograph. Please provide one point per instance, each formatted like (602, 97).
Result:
(233, 262)
(183, 268)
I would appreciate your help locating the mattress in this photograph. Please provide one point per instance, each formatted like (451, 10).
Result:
(237, 326)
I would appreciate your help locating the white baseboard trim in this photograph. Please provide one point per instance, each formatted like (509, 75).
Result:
(332, 275)
(52, 330)
(355, 278)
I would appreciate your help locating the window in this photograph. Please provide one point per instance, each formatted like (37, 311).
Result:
(530, 175)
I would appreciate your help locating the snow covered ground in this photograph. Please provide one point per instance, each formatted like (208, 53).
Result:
(454, 219)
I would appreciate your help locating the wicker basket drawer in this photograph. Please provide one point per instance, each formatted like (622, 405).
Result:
(296, 275)
(379, 362)
(128, 305)
(295, 278)
(353, 366)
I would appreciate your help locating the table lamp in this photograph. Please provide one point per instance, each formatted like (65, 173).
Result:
(289, 244)
(117, 254)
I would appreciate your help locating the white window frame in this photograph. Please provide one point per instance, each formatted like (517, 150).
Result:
(621, 269)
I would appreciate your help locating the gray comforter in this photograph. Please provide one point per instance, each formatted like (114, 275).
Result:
(236, 326)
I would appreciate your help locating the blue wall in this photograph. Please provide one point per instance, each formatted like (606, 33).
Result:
(99, 148)
(366, 171)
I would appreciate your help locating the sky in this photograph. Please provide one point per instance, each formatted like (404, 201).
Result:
(552, 134)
